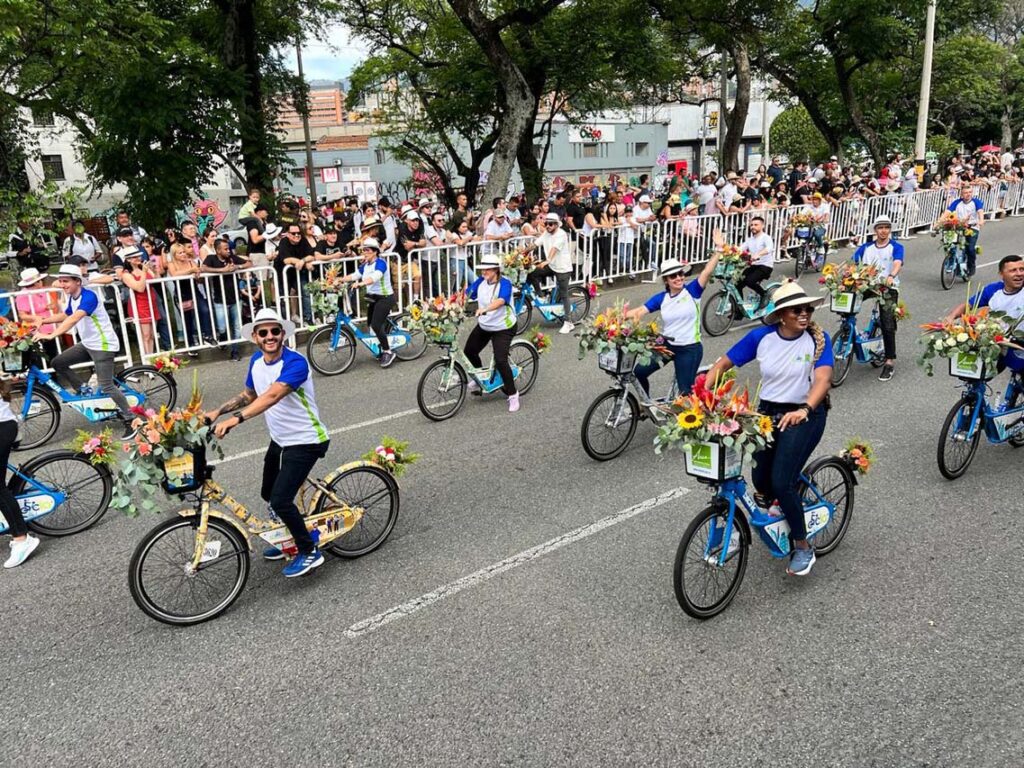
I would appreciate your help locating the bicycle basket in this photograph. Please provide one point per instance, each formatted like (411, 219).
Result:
(616, 360)
(949, 237)
(846, 303)
(185, 473)
(803, 233)
(15, 361)
(968, 365)
(712, 461)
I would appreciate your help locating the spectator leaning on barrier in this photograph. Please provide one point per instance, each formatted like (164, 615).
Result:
(410, 237)
(33, 307)
(225, 294)
(81, 243)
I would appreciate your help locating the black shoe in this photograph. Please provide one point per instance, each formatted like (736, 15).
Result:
(129, 431)
(192, 353)
(387, 357)
(887, 372)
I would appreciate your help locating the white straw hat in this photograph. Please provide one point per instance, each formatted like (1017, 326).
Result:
(790, 294)
(267, 316)
(31, 276)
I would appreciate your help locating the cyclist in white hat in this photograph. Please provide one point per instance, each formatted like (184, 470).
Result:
(556, 262)
(374, 274)
(280, 385)
(887, 255)
(679, 305)
(496, 324)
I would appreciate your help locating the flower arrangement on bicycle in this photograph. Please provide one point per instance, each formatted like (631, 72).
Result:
(715, 412)
(611, 331)
(515, 266)
(972, 342)
(540, 340)
(168, 363)
(439, 317)
(950, 222)
(163, 451)
(850, 282)
(801, 220)
(392, 455)
(859, 455)
(324, 293)
(15, 341)
(731, 262)
(99, 449)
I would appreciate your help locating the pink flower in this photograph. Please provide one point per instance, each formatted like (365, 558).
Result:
(724, 428)
(145, 449)
(91, 445)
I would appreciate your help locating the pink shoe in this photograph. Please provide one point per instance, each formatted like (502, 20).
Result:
(513, 403)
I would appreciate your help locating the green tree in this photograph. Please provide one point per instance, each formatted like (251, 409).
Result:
(794, 134)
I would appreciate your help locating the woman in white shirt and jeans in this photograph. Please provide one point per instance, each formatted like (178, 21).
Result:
(496, 324)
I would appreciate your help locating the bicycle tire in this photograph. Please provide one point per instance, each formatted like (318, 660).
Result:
(877, 361)
(591, 425)
(524, 356)
(417, 344)
(947, 275)
(367, 487)
(523, 318)
(688, 554)
(949, 470)
(36, 428)
(175, 562)
(800, 262)
(718, 312)
(327, 361)
(579, 304)
(828, 538)
(841, 363)
(87, 488)
(438, 370)
(158, 387)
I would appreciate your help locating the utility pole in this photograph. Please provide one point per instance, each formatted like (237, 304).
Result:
(920, 142)
(766, 145)
(305, 128)
(723, 164)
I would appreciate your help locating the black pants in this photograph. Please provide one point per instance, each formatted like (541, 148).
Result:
(887, 322)
(8, 504)
(603, 246)
(500, 342)
(752, 278)
(284, 472)
(537, 277)
(377, 310)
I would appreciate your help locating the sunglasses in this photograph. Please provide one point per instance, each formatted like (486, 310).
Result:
(550, 224)
(264, 332)
(294, 234)
(677, 276)
(804, 310)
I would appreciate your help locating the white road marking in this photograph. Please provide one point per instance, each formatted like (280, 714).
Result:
(410, 607)
(349, 428)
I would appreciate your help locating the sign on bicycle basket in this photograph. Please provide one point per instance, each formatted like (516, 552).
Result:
(712, 461)
(846, 303)
(967, 365)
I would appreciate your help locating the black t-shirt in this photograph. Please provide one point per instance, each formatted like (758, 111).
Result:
(254, 222)
(750, 194)
(289, 249)
(577, 213)
(324, 249)
(404, 233)
(225, 286)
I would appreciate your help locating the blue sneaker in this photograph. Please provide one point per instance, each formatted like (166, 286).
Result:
(304, 564)
(273, 553)
(801, 562)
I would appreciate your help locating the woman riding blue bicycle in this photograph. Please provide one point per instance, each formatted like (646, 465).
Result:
(795, 357)
(679, 305)
(374, 274)
(496, 324)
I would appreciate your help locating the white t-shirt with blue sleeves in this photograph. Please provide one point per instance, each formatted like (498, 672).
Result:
(967, 212)
(883, 257)
(502, 318)
(294, 419)
(995, 297)
(95, 330)
(680, 314)
(787, 365)
(380, 273)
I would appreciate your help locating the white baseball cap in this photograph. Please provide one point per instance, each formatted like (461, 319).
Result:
(411, 215)
(645, 198)
(370, 242)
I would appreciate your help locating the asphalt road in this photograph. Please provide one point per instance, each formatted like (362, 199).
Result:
(901, 649)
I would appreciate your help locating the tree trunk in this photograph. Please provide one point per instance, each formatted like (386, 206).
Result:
(529, 168)
(1006, 131)
(736, 118)
(242, 57)
(860, 123)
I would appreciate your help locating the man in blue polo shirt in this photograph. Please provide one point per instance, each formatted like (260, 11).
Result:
(968, 209)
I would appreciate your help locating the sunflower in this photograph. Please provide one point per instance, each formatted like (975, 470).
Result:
(415, 312)
(828, 270)
(690, 419)
(764, 425)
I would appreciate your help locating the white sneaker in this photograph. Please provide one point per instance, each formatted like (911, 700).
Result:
(567, 327)
(473, 386)
(20, 550)
(734, 545)
(513, 403)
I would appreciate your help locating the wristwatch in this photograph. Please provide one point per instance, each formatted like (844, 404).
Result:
(238, 415)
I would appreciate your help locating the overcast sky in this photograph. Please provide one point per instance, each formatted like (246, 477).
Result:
(331, 60)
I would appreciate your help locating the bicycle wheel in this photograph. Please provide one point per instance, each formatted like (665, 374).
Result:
(39, 421)
(877, 360)
(326, 358)
(156, 387)
(842, 354)
(609, 424)
(717, 313)
(417, 343)
(579, 304)
(832, 479)
(442, 390)
(800, 262)
(376, 492)
(705, 589)
(525, 357)
(524, 317)
(956, 449)
(86, 487)
(159, 575)
(948, 275)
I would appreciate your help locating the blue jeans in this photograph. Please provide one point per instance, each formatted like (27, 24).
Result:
(687, 361)
(225, 315)
(971, 249)
(776, 473)
(625, 257)
(459, 270)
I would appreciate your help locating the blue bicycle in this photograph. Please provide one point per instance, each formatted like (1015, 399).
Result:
(550, 309)
(850, 344)
(332, 349)
(36, 399)
(60, 493)
(723, 306)
(1001, 421)
(954, 260)
(707, 573)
